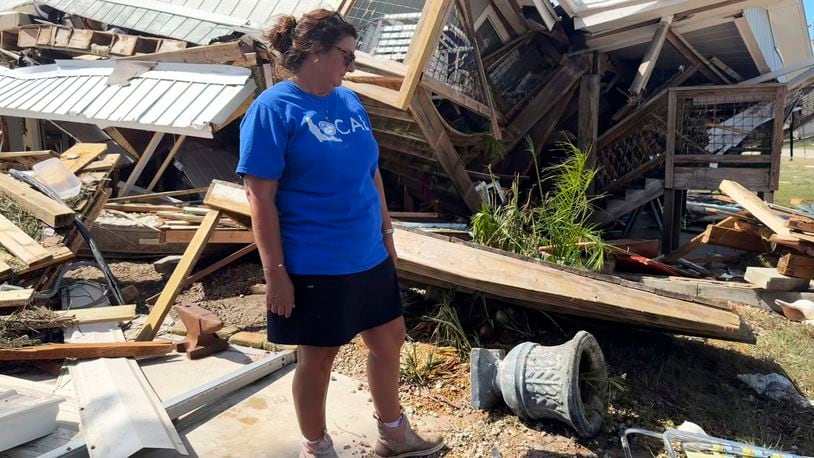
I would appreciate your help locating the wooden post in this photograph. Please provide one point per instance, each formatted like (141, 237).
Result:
(651, 57)
(179, 275)
(422, 46)
(779, 113)
(167, 162)
(588, 122)
(142, 163)
(428, 120)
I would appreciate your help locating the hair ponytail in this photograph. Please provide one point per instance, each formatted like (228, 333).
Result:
(317, 31)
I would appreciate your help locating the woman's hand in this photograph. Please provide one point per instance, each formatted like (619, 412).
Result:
(391, 248)
(279, 293)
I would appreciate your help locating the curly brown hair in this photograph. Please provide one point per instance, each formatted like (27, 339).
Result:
(317, 31)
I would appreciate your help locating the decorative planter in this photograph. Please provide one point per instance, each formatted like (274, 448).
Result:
(566, 382)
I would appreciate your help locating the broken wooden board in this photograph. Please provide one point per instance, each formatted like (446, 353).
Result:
(733, 238)
(755, 206)
(117, 313)
(25, 158)
(795, 265)
(86, 351)
(770, 279)
(45, 209)
(16, 297)
(81, 154)
(534, 284)
(800, 224)
(20, 244)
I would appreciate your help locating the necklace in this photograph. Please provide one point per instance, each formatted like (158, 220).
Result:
(312, 100)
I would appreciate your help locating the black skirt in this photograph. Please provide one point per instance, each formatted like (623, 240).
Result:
(330, 310)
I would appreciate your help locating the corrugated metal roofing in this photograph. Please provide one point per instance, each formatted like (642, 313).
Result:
(10, 5)
(174, 98)
(758, 19)
(195, 21)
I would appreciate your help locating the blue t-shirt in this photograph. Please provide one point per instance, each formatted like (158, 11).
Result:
(322, 152)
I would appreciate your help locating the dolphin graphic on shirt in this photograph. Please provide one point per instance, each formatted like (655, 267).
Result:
(320, 134)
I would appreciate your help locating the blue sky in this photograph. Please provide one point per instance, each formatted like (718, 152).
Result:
(809, 7)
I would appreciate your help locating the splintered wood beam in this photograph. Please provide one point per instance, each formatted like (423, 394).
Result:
(218, 53)
(116, 135)
(142, 163)
(727, 69)
(167, 161)
(45, 209)
(759, 209)
(651, 56)
(422, 46)
(86, 351)
(542, 129)
(547, 99)
(694, 57)
(179, 275)
(429, 121)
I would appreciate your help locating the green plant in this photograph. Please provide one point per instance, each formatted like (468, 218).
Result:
(415, 369)
(559, 221)
(448, 328)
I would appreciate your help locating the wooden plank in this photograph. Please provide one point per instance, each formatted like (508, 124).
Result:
(220, 236)
(27, 158)
(552, 94)
(651, 56)
(16, 297)
(158, 195)
(181, 272)
(795, 265)
(142, 162)
(86, 351)
(696, 242)
(82, 154)
(736, 77)
(220, 53)
(543, 286)
(428, 120)
(18, 243)
(107, 163)
(117, 137)
(694, 57)
(733, 238)
(708, 178)
(167, 161)
(770, 279)
(670, 139)
(537, 284)
(422, 47)
(140, 208)
(722, 159)
(755, 206)
(117, 313)
(45, 209)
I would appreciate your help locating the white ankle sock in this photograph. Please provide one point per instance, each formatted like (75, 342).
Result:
(394, 424)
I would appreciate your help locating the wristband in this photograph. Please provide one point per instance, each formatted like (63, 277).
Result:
(267, 269)
(388, 231)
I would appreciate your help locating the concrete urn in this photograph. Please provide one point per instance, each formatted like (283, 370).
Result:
(565, 382)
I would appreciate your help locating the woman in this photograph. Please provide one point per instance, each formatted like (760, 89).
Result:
(310, 165)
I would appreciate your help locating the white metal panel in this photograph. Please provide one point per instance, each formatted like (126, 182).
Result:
(195, 21)
(758, 20)
(173, 98)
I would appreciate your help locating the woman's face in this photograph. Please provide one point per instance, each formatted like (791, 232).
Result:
(336, 62)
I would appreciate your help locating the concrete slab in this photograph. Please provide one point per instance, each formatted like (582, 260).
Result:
(259, 421)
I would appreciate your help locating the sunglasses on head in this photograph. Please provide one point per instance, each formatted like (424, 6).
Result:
(350, 57)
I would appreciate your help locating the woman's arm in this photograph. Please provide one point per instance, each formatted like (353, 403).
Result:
(266, 230)
(387, 225)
